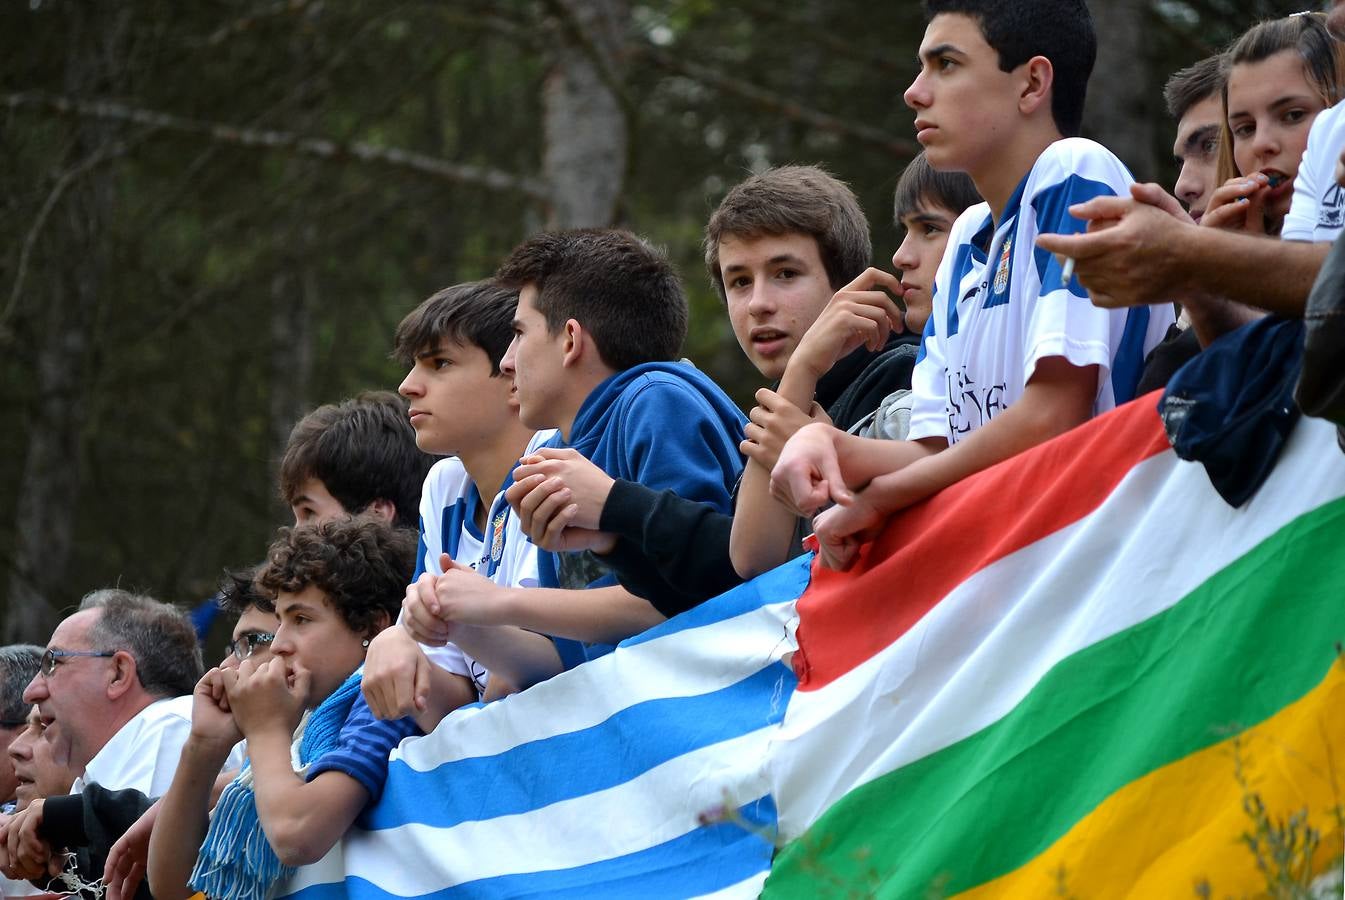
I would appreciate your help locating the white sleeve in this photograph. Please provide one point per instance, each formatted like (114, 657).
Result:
(432, 501)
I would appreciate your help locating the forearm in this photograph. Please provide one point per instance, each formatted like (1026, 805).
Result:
(799, 383)
(763, 529)
(515, 654)
(1031, 421)
(299, 829)
(864, 459)
(671, 551)
(603, 615)
(183, 818)
(1236, 266)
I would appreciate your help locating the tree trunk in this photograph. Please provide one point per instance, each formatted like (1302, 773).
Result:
(46, 508)
(1120, 96)
(584, 125)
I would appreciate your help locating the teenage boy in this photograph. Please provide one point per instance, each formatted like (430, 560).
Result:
(352, 457)
(666, 539)
(601, 318)
(335, 585)
(461, 404)
(1013, 354)
(1193, 99)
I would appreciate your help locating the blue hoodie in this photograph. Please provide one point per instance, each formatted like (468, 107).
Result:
(665, 425)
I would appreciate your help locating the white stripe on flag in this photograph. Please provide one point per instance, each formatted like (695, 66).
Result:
(684, 663)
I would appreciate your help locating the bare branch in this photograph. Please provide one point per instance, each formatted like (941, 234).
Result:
(319, 148)
(53, 197)
(901, 148)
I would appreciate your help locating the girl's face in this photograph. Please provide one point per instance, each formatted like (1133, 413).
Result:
(1271, 105)
(313, 636)
(918, 257)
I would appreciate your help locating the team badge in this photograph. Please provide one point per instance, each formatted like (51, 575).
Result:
(1002, 273)
(497, 537)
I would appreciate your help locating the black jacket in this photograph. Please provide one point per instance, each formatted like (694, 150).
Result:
(674, 552)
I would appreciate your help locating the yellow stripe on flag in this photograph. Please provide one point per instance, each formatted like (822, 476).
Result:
(1161, 835)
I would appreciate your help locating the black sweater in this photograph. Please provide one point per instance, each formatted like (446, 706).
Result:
(89, 823)
(674, 552)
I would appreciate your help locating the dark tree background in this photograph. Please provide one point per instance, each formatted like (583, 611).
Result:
(213, 214)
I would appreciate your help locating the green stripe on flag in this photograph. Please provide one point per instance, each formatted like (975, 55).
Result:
(1253, 638)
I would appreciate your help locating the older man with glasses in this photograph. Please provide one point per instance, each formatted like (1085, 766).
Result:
(114, 684)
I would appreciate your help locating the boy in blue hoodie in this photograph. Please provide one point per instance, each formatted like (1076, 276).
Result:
(601, 318)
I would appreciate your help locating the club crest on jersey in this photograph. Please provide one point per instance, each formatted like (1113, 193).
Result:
(1002, 272)
(497, 537)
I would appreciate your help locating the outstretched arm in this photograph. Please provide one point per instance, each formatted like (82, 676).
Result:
(1058, 397)
(1139, 250)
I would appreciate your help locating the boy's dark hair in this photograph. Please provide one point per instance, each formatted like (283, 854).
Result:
(362, 564)
(480, 313)
(238, 592)
(1189, 86)
(362, 450)
(622, 290)
(794, 200)
(922, 185)
(159, 636)
(1060, 30)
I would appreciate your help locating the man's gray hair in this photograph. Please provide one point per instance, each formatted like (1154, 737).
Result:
(159, 636)
(18, 666)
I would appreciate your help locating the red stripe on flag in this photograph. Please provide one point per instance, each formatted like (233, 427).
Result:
(931, 548)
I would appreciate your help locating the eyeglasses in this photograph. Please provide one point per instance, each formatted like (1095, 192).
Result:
(246, 644)
(52, 657)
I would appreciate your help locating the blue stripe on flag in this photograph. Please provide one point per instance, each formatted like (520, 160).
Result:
(783, 583)
(565, 766)
(699, 862)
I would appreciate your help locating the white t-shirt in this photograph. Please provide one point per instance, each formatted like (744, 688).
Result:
(144, 754)
(448, 505)
(1318, 210)
(1000, 306)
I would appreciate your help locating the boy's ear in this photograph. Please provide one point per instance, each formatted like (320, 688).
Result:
(1039, 76)
(381, 621)
(572, 353)
(383, 508)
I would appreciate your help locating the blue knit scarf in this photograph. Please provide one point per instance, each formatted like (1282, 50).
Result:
(236, 861)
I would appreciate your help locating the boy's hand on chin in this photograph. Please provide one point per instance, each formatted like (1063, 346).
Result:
(211, 718)
(267, 696)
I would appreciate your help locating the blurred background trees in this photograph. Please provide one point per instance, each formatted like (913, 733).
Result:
(212, 215)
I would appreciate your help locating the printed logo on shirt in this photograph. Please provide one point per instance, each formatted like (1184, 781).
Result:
(497, 537)
(1331, 211)
(971, 405)
(1002, 273)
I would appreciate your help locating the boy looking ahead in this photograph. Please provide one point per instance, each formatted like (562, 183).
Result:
(601, 318)
(460, 404)
(1012, 355)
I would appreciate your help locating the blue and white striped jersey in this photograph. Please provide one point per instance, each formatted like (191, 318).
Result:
(448, 505)
(1000, 305)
